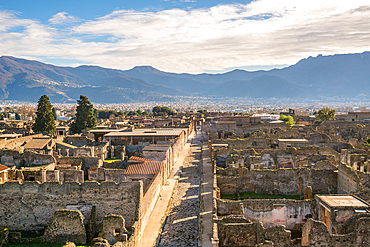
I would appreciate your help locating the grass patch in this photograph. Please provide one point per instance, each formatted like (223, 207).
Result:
(111, 160)
(251, 195)
(229, 197)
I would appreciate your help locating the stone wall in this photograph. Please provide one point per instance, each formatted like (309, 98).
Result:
(67, 225)
(115, 175)
(315, 233)
(151, 196)
(71, 176)
(78, 141)
(348, 180)
(238, 231)
(281, 181)
(271, 212)
(92, 161)
(26, 159)
(245, 128)
(96, 173)
(83, 152)
(73, 161)
(16, 143)
(31, 206)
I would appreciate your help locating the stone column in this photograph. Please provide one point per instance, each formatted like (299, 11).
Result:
(111, 152)
(252, 167)
(240, 170)
(67, 152)
(59, 151)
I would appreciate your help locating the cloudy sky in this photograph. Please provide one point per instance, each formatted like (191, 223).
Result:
(190, 36)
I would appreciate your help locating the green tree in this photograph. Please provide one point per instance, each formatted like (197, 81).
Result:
(158, 110)
(326, 114)
(133, 113)
(84, 116)
(54, 113)
(287, 119)
(44, 121)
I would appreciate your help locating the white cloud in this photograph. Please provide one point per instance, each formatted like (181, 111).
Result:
(62, 18)
(264, 32)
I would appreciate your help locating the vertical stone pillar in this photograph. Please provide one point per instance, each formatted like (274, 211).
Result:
(252, 167)
(362, 167)
(354, 165)
(218, 193)
(59, 151)
(307, 193)
(43, 176)
(240, 170)
(67, 152)
(231, 169)
(111, 152)
(241, 205)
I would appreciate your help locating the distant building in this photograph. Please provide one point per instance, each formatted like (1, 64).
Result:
(267, 117)
(358, 116)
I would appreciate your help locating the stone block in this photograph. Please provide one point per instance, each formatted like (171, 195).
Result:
(114, 229)
(67, 225)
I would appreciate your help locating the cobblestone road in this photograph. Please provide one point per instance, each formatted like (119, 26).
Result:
(181, 228)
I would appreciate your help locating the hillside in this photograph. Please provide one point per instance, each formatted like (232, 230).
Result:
(346, 75)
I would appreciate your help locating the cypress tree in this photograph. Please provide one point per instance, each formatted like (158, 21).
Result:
(54, 113)
(84, 116)
(44, 121)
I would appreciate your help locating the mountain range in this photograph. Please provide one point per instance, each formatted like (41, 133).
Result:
(343, 75)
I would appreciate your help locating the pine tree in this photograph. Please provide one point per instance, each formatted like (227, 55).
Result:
(44, 121)
(84, 116)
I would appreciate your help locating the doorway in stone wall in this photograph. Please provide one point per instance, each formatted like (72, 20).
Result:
(300, 185)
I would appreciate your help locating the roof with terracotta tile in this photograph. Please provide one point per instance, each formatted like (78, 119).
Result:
(3, 168)
(134, 158)
(146, 168)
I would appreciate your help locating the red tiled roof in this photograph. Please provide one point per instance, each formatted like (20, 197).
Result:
(139, 159)
(146, 168)
(3, 168)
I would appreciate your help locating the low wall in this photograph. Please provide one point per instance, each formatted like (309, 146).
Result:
(150, 197)
(15, 158)
(348, 180)
(280, 181)
(271, 212)
(30, 206)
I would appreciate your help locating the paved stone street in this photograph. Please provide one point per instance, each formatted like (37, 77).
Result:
(181, 228)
